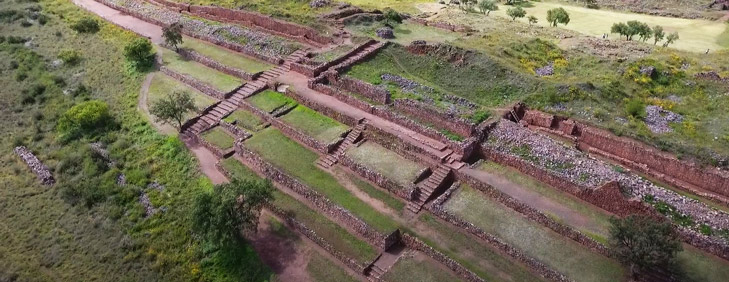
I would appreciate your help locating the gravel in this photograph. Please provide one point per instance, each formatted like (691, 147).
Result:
(547, 70)
(657, 119)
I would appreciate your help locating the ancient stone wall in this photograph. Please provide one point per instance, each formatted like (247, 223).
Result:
(322, 109)
(375, 177)
(341, 13)
(238, 132)
(393, 143)
(442, 120)
(194, 83)
(442, 25)
(349, 99)
(374, 93)
(415, 244)
(35, 165)
(342, 215)
(213, 64)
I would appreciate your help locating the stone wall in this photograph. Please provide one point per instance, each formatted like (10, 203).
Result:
(442, 25)
(424, 111)
(313, 71)
(35, 165)
(322, 109)
(462, 272)
(339, 95)
(375, 177)
(194, 83)
(323, 204)
(218, 152)
(393, 143)
(341, 13)
(197, 57)
(374, 93)
(238, 132)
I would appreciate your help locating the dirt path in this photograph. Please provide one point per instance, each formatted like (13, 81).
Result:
(207, 164)
(142, 106)
(344, 179)
(151, 31)
(535, 200)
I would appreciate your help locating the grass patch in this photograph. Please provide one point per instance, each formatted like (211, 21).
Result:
(214, 78)
(699, 266)
(340, 239)
(219, 138)
(314, 124)
(562, 254)
(269, 100)
(322, 269)
(418, 269)
(162, 85)
(299, 162)
(225, 56)
(332, 54)
(373, 192)
(386, 162)
(245, 120)
(238, 170)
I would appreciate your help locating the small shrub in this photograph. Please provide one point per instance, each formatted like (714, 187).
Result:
(479, 116)
(42, 19)
(139, 53)
(16, 40)
(84, 118)
(69, 57)
(86, 25)
(706, 230)
(635, 108)
(25, 23)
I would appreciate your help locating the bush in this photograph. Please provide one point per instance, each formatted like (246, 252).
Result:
(635, 108)
(69, 57)
(86, 25)
(139, 53)
(85, 118)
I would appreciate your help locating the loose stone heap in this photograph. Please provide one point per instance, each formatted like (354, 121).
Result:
(385, 32)
(259, 42)
(319, 3)
(454, 105)
(657, 119)
(569, 163)
(43, 173)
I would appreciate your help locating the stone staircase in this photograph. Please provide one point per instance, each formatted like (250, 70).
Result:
(352, 137)
(212, 116)
(375, 273)
(427, 187)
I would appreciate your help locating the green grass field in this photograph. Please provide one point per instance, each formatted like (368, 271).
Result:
(238, 170)
(226, 57)
(219, 138)
(418, 269)
(314, 124)
(299, 162)
(321, 269)
(214, 78)
(373, 192)
(562, 254)
(269, 100)
(386, 162)
(162, 85)
(340, 239)
(245, 120)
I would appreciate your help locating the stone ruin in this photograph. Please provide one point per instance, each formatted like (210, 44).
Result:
(724, 4)
(42, 171)
(385, 32)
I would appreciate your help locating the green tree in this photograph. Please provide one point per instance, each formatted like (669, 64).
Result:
(658, 34)
(558, 15)
(84, 118)
(643, 30)
(139, 53)
(622, 29)
(516, 12)
(173, 34)
(221, 216)
(670, 39)
(392, 17)
(173, 107)
(532, 20)
(643, 242)
(486, 6)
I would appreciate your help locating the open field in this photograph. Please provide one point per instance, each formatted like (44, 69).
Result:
(225, 56)
(299, 162)
(560, 253)
(219, 138)
(214, 78)
(386, 162)
(162, 85)
(245, 120)
(314, 124)
(269, 100)
(321, 269)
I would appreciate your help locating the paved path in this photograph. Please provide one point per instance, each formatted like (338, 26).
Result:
(151, 31)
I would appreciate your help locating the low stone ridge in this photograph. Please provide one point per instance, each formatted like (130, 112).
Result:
(442, 25)
(319, 3)
(35, 165)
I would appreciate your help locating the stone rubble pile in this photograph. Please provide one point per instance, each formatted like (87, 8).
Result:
(545, 70)
(259, 42)
(43, 173)
(657, 119)
(319, 3)
(385, 32)
(456, 106)
(100, 149)
(578, 167)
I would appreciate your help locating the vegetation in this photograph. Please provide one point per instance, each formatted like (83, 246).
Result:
(86, 25)
(84, 119)
(225, 56)
(386, 162)
(174, 107)
(219, 138)
(558, 15)
(70, 57)
(417, 269)
(269, 101)
(385, 197)
(173, 34)
(139, 53)
(219, 80)
(516, 12)
(643, 243)
(486, 6)
(245, 120)
(314, 124)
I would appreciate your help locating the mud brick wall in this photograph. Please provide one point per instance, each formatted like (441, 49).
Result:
(322, 203)
(35, 165)
(194, 83)
(707, 178)
(301, 33)
(197, 57)
(294, 224)
(375, 177)
(426, 112)
(415, 244)
(377, 94)
(538, 118)
(534, 215)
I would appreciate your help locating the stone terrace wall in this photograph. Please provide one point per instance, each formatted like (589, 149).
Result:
(426, 112)
(442, 25)
(415, 244)
(321, 202)
(394, 143)
(294, 31)
(194, 83)
(313, 71)
(341, 117)
(35, 165)
(374, 93)
(375, 177)
(636, 155)
(349, 99)
(197, 57)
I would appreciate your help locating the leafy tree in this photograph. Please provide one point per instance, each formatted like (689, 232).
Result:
(516, 12)
(173, 107)
(670, 39)
(643, 30)
(658, 34)
(514, 2)
(558, 15)
(467, 5)
(173, 34)
(622, 29)
(87, 117)
(642, 242)
(69, 57)
(86, 25)
(532, 20)
(486, 6)
(220, 216)
(139, 52)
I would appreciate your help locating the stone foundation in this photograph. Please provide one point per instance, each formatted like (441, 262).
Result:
(442, 25)
(374, 93)
(35, 165)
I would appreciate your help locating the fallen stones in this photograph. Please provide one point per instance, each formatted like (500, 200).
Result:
(43, 173)
(545, 70)
(385, 32)
(647, 70)
(657, 119)
(319, 3)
